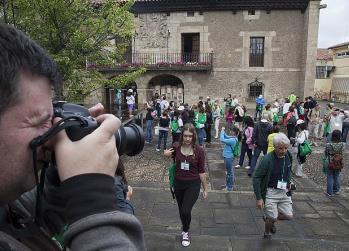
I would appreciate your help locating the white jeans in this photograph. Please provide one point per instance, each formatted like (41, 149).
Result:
(216, 126)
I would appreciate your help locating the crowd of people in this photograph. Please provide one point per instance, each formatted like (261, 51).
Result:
(279, 129)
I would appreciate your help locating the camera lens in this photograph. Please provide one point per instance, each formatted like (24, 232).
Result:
(129, 140)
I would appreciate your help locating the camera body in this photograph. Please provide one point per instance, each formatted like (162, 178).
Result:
(129, 139)
(291, 187)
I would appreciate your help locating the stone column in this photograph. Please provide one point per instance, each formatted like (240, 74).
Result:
(180, 95)
(169, 93)
(311, 22)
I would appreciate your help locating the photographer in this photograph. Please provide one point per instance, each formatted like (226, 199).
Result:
(271, 184)
(84, 169)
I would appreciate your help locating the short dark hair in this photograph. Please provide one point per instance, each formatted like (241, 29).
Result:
(18, 53)
(336, 136)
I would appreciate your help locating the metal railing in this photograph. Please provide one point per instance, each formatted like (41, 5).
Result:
(161, 60)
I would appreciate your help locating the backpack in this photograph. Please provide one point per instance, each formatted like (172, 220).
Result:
(174, 125)
(336, 162)
(292, 121)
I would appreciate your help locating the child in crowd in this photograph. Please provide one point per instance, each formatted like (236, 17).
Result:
(123, 191)
(301, 136)
(229, 118)
(130, 100)
(246, 143)
(230, 138)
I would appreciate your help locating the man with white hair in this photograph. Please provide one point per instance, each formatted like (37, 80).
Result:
(271, 184)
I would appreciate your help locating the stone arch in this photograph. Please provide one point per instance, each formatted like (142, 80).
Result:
(255, 89)
(166, 84)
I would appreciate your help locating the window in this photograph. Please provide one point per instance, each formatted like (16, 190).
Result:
(322, 72)
(255, 89)
(256, 52)
(251, 12)
(190, 13)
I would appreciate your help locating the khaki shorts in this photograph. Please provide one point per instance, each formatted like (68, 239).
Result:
(277, 201)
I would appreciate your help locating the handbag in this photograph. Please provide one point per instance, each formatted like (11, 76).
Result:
(305, 148)
(156, 130)
(171, 177)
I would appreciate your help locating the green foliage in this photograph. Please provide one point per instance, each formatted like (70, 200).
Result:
(73, 31)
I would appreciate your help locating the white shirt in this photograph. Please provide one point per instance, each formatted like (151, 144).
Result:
(130, 100)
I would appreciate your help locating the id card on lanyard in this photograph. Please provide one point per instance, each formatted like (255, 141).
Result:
(281, 183)
(185, 165)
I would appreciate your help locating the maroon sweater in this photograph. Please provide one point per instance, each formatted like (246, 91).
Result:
(196, 164)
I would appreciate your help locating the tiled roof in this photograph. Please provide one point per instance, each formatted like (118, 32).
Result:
(150, 6)
(323, 54)
(339, 45)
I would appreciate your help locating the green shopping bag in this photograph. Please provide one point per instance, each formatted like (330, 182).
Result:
(171, 177)
(237, 149)
(305, 148)
(326, 129)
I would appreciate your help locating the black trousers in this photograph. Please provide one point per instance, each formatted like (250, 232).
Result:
(187, 193)
(208, 128)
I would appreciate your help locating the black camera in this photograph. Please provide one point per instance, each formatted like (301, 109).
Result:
(129, 139)
(291, 187)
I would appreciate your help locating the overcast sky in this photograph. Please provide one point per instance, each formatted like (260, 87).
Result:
(334, 23)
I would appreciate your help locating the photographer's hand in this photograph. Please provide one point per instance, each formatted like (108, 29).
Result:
(95, 153)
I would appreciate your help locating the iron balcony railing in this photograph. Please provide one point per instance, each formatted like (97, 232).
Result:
(160, 61)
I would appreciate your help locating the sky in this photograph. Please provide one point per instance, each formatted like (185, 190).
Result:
(334, 23)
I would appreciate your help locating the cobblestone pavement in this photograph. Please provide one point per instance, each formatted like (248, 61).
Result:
(229, 220)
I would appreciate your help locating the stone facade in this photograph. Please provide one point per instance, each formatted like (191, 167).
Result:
(290, 42)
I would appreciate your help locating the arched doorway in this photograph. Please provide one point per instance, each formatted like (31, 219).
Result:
(168, 85)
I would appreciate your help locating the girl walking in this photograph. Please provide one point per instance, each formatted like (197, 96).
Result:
(189, 176)
(230, 138)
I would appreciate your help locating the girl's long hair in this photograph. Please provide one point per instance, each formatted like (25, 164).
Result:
(189, 127)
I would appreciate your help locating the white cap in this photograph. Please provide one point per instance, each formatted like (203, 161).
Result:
(260, 96)
(264, 120)
(130, 90)
(300, 121)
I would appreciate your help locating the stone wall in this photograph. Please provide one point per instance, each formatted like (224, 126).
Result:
(289, 54)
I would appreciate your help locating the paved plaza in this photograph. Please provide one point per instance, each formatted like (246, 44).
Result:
(230, 220)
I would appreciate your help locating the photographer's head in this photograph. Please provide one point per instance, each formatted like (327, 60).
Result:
(27, 74)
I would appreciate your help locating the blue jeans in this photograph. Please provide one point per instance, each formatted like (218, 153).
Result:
(256, 152)
(244, 150)
(162, 135)
(345, 131)
(228, 162)
(148, 130)
(201, 135)
(333, 182)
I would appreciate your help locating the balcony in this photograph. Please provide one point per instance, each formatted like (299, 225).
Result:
(159, 62)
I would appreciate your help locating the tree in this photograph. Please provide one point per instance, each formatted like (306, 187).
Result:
(74, 31)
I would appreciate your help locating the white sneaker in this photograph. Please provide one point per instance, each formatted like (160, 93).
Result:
(157, 149)
(247, 167)
(237, 166)
(185, 239)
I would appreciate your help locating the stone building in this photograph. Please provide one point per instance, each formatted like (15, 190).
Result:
(340, 75)
(219, 47)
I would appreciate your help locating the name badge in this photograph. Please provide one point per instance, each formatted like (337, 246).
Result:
(185, 166)
(282, 185)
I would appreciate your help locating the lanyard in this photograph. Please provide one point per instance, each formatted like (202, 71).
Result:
(283, 170)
